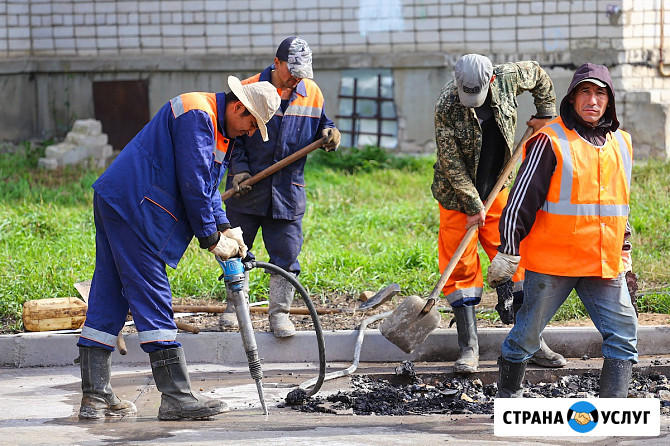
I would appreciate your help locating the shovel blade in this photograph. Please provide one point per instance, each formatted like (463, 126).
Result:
(383, 295)
(410, 324)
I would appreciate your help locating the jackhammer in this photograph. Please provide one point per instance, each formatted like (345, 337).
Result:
(233, 276)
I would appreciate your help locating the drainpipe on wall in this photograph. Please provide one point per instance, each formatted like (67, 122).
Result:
(661, 63)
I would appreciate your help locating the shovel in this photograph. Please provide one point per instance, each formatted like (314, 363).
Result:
(411, 323)
(276, 166)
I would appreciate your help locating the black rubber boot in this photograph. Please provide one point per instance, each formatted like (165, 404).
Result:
(98, 400)
(468, 344)
(177, 400)
(615, 378)
(510, 378)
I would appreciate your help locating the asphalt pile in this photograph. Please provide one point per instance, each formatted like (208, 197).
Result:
(409, 394)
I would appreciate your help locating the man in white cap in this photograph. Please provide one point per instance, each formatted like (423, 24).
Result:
(158, 193)
(277, 203)
(475, 123)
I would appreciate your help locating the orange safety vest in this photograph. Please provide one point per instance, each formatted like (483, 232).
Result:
(207, 103)
(579, 230)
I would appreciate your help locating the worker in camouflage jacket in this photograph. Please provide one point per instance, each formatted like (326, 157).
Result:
(475, 124)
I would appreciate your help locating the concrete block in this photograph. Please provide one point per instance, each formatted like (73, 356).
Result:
(75, 156)
(47, 163)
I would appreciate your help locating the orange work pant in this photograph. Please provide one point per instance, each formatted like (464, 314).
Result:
(465, 285)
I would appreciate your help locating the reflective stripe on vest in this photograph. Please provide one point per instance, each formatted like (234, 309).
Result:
(564, 205)
(157, 335)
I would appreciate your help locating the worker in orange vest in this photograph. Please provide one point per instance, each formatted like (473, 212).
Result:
(566, 223)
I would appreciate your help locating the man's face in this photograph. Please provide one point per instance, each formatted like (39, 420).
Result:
(240, 122)
(286, 79)
(590, 101)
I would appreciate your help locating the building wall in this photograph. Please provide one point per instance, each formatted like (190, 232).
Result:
(52, 50)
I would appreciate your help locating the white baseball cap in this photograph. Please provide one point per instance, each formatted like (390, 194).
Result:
(260, 98)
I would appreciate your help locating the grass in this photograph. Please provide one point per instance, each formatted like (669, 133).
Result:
(371, 220)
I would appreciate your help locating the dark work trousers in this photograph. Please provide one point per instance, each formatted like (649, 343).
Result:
(282, 238)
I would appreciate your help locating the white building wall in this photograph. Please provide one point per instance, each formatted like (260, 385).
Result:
(161, 38)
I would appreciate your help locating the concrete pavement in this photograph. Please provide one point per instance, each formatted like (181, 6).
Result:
(40, 390)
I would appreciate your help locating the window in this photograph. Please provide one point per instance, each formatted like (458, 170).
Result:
(367, 114)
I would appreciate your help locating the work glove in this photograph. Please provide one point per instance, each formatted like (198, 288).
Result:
(631, 284)
(502, 268)
(627, 260)
(237, 181)
(505, 305)
(236, 234)
(332, 136)
(230, 244)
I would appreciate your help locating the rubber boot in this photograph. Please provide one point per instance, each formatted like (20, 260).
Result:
(281, 296)
(228, 319)
(468, 344)
(615, 378)
(98, 400)
(177, 400)
(510, 378)
(546, 357)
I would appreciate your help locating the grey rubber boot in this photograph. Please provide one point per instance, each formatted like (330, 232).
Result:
(281, 295)
(468, 344)
(98, 400)
(510, 378)
(546, 357)
(177, 400)
(228, 319)
(615, 378)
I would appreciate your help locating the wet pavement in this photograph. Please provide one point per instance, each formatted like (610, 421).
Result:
(39, 406)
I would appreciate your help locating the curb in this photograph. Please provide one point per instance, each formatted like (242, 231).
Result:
(43, 349)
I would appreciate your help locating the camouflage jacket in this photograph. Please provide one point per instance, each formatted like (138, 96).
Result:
(458, 135)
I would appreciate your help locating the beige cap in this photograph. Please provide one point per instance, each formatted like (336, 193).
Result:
(260, 98)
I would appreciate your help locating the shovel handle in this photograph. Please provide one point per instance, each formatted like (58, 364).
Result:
(275, 167)
(429, 305)
(507, 170)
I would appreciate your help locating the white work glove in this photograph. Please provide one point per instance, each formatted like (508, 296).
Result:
(237, 180)
(236, 234)
(627, 259)
(230, 244)
(332, 136)
(502, 268)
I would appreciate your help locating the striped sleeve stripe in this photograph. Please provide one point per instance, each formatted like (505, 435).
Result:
(520, 188)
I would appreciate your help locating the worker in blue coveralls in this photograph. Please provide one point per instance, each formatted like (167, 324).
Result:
(160, 191)
(277, 203)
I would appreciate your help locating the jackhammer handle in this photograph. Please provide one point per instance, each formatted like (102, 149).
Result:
(275, 167)
(507, 170)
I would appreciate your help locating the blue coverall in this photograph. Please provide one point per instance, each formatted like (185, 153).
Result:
(277, 203)
(160, 191)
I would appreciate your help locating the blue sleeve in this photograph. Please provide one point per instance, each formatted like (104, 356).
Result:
(239, 158)
(197, 173)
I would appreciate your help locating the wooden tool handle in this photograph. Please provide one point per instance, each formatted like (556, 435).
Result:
(222, 308)
(489, 201)
(187, 327)
(121, 344)
(275, 167)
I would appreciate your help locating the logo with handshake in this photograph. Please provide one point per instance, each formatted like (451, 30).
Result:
(582, 417)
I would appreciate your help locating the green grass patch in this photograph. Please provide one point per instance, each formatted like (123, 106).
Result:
(371, 220)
